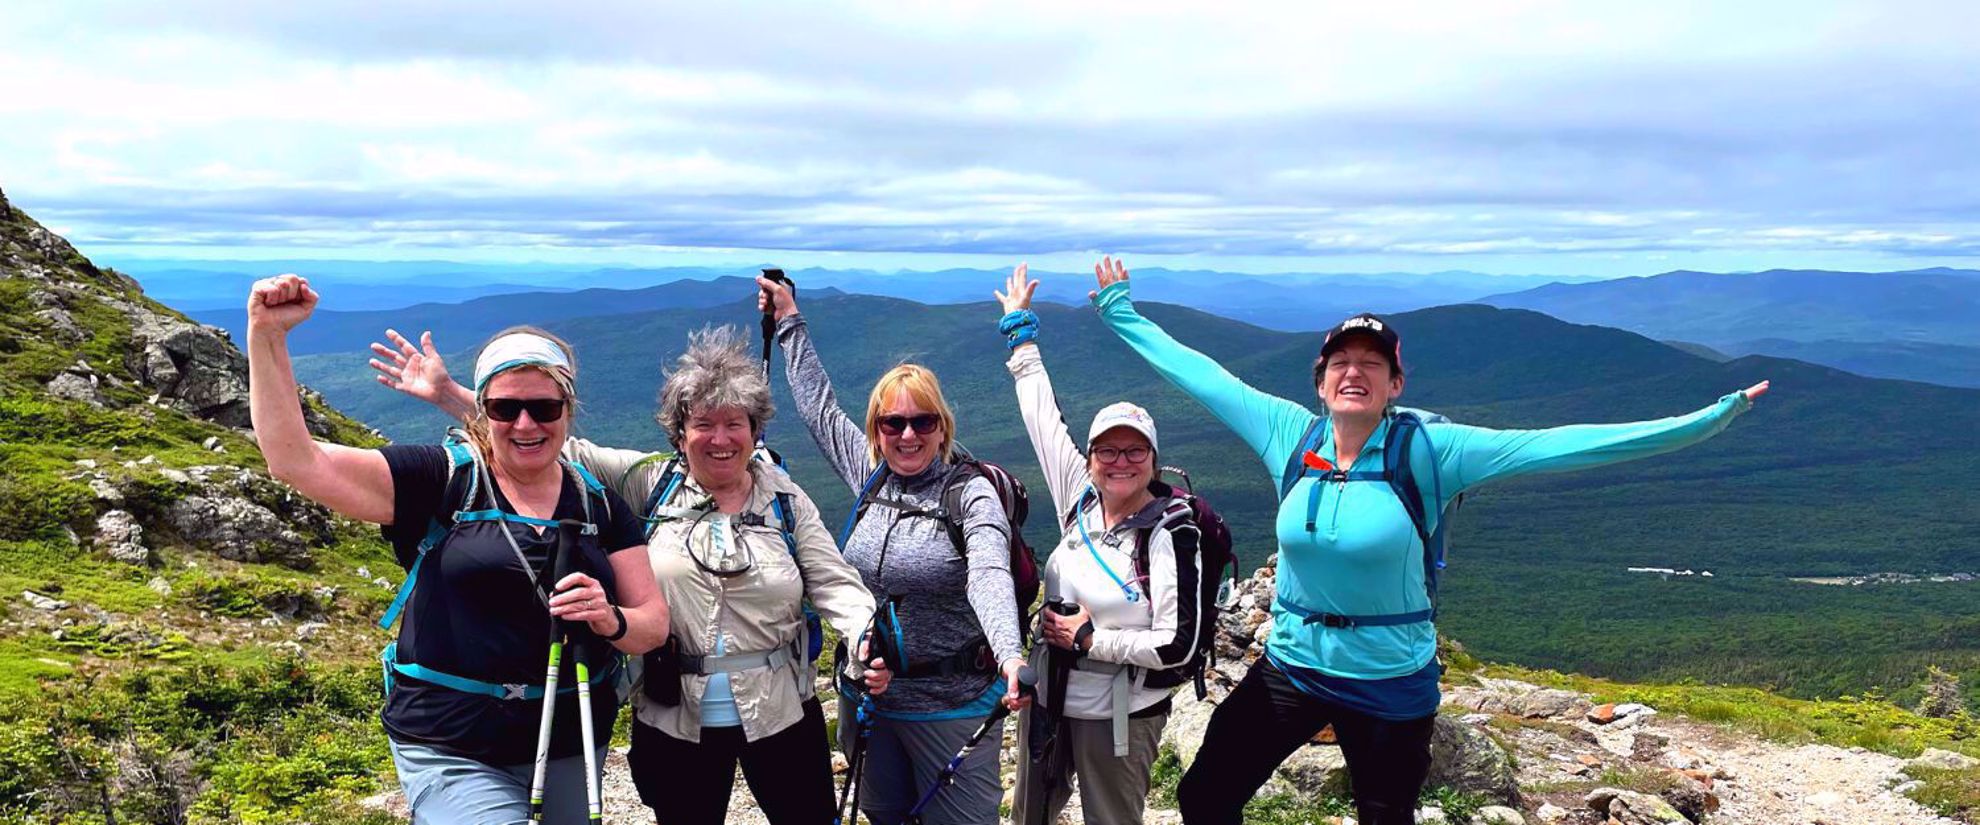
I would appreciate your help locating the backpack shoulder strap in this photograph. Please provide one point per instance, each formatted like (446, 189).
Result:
(1404, 431)
(861, 501)
(785, 505)
(463, 485)
(671, 475)
(1177, 512)
(1295, 466)
(965, 470)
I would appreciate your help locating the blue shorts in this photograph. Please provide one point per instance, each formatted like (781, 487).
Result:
(443, 789)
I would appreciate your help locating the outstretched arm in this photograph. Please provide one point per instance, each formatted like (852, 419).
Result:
(1058, 456)
(421, 373)
(354, 482)
(1270, 425)
(1470, 456)
(841, 440)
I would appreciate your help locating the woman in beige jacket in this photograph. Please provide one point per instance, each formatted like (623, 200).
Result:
(738, 550)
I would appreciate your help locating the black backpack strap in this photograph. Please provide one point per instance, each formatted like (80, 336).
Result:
(952, 503)
(1295, 463)
(1404, 427)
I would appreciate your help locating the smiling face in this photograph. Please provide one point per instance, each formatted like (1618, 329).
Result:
(1358, 381)
(910, 450)
(527, 446)
(718, 443)
(1121, 479)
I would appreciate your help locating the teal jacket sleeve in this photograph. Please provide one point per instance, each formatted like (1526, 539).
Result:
(1469, 456)
(1270, 425)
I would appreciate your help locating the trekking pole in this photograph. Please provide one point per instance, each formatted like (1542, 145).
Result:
(855, 761)
(567, 562)
(1027, 685)
(549, 698)
(770, 312)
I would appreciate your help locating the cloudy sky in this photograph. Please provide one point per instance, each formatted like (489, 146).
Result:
(1505, 136)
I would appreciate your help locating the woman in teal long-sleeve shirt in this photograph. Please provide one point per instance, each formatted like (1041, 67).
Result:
(1352, 641)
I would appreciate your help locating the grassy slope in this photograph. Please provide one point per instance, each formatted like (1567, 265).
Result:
(180, 706)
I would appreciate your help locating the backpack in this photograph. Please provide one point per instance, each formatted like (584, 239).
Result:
(1214, 588)
(467, 477)
(783, 505)
(1011, 496)
(1406, 429)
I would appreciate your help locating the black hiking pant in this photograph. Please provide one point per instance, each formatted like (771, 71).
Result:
(687, 783)
(1266, 718)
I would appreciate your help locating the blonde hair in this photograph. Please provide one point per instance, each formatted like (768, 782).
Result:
(478, 428)
(922, 386)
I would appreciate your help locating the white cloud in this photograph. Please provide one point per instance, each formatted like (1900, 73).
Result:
(1518, 130)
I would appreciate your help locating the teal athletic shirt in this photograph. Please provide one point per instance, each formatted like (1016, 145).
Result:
(1364, 556)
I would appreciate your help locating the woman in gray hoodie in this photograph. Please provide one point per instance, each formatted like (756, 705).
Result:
(957, 615)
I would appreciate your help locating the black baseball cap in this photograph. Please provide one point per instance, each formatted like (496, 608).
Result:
(1368, 324)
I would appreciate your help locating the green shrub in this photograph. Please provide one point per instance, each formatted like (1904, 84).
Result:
(249, 595)
(279, 741)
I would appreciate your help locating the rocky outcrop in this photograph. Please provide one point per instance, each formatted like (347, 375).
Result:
(119, 536)
(185, 365)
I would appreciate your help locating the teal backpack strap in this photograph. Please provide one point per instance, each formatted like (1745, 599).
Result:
(785, 506)
(460, 456)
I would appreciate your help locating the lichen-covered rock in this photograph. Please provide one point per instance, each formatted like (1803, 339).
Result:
(119, 536)
(238, 529)
(1943, 760)
(1465, 759)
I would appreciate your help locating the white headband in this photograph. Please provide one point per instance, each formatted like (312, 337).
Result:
(517, 350)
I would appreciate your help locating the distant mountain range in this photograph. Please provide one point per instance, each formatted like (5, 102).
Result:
(1921, 325)
(1289, 301)
(1833, 474)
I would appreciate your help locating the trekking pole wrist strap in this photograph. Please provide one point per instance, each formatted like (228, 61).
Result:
(623, 627)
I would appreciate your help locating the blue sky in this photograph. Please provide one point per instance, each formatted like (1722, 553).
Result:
(1517, 137)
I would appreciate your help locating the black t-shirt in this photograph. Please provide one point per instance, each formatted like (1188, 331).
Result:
(472, 614)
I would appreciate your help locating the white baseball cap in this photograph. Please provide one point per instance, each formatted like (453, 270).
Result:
(1124, 414)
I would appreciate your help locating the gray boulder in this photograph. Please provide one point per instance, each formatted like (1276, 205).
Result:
(1632, 808)
(238, 529)
(1465, 759)
(119, 536)
(1943, 760)
(1691, 799)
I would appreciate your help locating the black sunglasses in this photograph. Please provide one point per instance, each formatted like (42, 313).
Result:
(924, 423)
(541, 410)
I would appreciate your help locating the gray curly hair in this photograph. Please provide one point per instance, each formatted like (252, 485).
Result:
(715, 372)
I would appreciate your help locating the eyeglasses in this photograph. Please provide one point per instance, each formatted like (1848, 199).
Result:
(1109, 455)
(541, 410)
(923, 423)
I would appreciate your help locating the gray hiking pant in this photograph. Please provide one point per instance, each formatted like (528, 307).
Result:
(903, 758)
(1112, 790)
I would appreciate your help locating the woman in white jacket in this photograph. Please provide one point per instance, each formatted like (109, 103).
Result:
(1129, 563)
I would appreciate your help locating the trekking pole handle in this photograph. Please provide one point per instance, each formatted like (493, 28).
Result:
(1027, 680)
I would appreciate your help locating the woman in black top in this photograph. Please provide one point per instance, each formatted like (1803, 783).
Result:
(465, 705)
